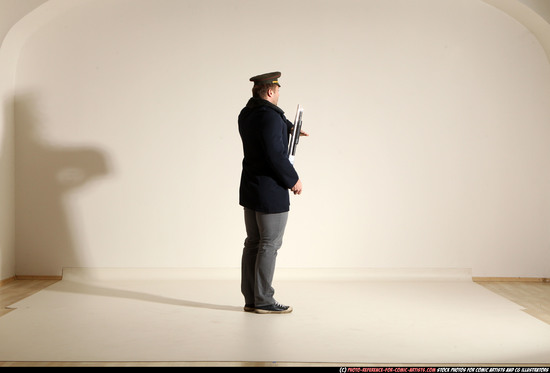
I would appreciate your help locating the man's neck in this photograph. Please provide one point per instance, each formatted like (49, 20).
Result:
(270, 100)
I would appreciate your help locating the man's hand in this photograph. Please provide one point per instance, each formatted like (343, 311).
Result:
(297, 189)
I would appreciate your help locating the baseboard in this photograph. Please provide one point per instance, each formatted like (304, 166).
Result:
(510, 279)
(475, 279)
(50, 278)
(7, 280)
(37, 278)
(282, 274)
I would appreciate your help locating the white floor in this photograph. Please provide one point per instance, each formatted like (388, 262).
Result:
(363, 317)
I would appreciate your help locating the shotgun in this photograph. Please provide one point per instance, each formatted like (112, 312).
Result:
(295, 136)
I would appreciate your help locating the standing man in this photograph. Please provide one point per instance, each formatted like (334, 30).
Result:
(266, 178)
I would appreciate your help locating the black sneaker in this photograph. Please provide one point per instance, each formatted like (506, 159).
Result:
(249, 308)
(274, 308)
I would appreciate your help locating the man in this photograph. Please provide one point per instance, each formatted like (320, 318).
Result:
(266, 178)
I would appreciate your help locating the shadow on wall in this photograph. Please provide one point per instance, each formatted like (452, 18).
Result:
(44, 176)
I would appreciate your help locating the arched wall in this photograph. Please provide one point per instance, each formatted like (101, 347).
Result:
(533, 14)
(429, 143)
(11, 12)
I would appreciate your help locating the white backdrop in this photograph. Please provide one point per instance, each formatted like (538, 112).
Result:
(429, 123)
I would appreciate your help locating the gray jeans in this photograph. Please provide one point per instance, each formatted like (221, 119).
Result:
(264, 237)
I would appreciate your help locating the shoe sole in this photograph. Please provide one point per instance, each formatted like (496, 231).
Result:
(258, 310)
(249, 309)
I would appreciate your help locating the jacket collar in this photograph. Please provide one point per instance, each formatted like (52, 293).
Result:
(255, 102)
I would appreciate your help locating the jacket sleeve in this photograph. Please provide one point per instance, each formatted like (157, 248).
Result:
(289, 125)
(274, 135)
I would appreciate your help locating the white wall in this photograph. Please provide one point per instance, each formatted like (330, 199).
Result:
(429, 143)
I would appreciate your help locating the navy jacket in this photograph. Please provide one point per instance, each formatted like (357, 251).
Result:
(267, 173)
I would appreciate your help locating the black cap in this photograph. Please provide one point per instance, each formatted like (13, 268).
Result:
(269, 78)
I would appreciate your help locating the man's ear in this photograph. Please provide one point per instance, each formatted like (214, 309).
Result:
(270, 92)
